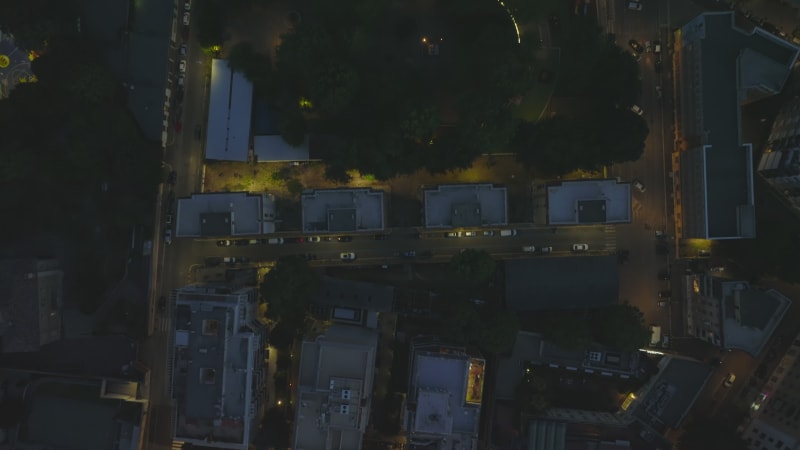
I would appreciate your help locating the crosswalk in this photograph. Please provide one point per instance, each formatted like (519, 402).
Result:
(610, 232)
(163, 324)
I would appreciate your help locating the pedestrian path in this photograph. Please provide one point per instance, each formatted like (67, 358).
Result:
(610, 237)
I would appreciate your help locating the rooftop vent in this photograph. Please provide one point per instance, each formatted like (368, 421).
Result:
(344, 409)
(346, 394)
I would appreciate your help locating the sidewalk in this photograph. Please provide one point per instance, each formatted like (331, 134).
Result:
(783, 14)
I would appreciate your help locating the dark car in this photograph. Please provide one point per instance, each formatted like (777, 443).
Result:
(344, 238)
(409, 254)
(173, 178)
(162, 303)
(636, 46)
(212, 261)
(198, 132)
(665, 294)
(426, 255)
(664, 275)
(223, 243)
(241, 242)
(381, 237)
(310, 256)
(658, 65)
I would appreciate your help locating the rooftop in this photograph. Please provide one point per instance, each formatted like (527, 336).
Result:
(439, 395)
(30, 306)
(275, 149)
(352, 301)
(750, 316)
(465, 205)
(229, 110)
(719, 74)
(589, 202)
(216, 343)
(549, 283)
(342, 210)
(225, 214)
(335, 388)
(672, 392)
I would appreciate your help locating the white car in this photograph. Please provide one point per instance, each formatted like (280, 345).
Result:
(580, 247)
(546, 249)
(470, 234)
(187, 6)
(186, 16)
(638, 185)
(529, 249)
(314, 239)
(634, 6)
(637, 110)
(168, 236)
(182, 66)
(347, 256)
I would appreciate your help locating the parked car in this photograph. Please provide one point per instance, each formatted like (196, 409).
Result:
(657, 47)
(508, 233)
(187, 6)
(173, 178)
(729, 380)
(198, 132)
(658, 65)
(409, 254)
(636, 46)
(313, 239)
(529, 249)
(223, 243)
(635, 6)
(470, 234)
(310, 256)
(664, 275)
(665, 294)
(580, 247)
(425, 255)
(637, 110)
(168, 219)
(182, 66)
(275, 241)
(638, 185)
(186, 17)
(381, 237)
(181, 80)
(717, 269)
(168, 236)
(660, 234)
(546, 249)
(347, 256)
(452, 234)
(662, 304)
(162, 303)
(182, 50)
(488, 233)
(241, 242)
(344, 238)
(704, 253)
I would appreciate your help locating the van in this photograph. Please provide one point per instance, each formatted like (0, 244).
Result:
(655, 335)
(508, 233)
(275, 241)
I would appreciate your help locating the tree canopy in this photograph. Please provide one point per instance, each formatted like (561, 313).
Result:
(621, 327)
(287, 288)
(475, 266)
(703, 434)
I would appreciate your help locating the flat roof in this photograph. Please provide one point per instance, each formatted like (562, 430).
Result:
(588, 202)
(465, 205)
(722, 57)
(342, 210)
(229, 112)
(439, 384)
(749, 316)
(552, 283)
(673, 393)
(223, 214)
(355, 294)
(215, 347)
(335, 388)
(275, 149)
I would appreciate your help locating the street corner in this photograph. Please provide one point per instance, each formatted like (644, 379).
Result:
(15, 65)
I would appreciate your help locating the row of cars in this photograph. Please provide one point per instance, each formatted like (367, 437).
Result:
(484, 233)
(291, 240)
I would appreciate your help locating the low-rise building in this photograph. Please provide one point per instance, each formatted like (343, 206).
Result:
(465, 205)
(352, 302)
(774, 420)
(30, 306)
(731, 313)
(780, 162)
(230, 108)
(334, 389)
(585, 202)
(445, 394)
(343, 210)
(218, 366)
(225, 214)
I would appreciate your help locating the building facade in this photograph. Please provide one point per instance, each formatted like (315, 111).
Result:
(780, 162)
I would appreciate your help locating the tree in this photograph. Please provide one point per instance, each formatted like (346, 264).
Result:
(288, 287)
(500, 333)
(553, 145)
(620, 136)
(209, 15)
(533, 394)
(293, 127)
(621, 327)
(334, 87)
(703, 434)
(472, 265)
(567, 330)
(90, 83)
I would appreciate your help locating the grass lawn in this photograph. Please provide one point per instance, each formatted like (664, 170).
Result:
(535, 101)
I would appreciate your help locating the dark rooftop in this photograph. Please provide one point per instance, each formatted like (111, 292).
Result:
(551, 283)
(673, 393)
(592, 211)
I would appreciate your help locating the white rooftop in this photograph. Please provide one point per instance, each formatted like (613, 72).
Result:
(229, 112)
(589, 202)
(342, 210)
(225, 214)
(275, 149)
(465, 205)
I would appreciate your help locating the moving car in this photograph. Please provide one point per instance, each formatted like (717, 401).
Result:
(529, 249)
(169, 219)
(347, 256)
(580, 247)
(168, 236)
(729, 380)
(637, 110)
(636, 46)
(638, 185)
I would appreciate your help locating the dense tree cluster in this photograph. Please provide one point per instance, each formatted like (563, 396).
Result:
(620, 327)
